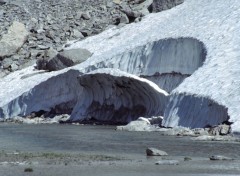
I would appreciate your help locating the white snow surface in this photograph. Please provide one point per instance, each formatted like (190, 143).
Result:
(216, 23)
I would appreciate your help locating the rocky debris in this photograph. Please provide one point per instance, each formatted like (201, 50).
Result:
(220, 130)
(13, 40)
(160, 5)
(37, 120)
(216, 138)
(154, 124)
(155, 152)
(217, 133)
(212, 132)
(179, 131)
(219, 157)
(167, 162)
(2, 2)
(56, 61)
(52, 23)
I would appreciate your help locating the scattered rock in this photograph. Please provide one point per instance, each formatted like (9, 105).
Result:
(13, 40)
(167, 162)
(2, 2)
(52, 25)
(219, 157)
(155, 152)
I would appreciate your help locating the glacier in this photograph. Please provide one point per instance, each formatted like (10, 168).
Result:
(199, 68)
(105, 94)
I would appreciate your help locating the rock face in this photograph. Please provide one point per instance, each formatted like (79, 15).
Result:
(13, 40)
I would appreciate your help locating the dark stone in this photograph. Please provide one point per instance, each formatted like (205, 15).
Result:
(68, 58)
(155, 152)
(2, 2)
(160, 5)
(219, 157)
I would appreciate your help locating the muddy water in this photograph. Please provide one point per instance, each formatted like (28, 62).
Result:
(104, 140)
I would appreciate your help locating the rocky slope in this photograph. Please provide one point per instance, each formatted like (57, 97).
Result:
(52, 23)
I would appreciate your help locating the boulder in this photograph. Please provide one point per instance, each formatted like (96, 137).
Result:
(86, 16)
(2, 2)
(220, 130)
(13, 40)
(41, 64)
(67, 58)
(167, 162)
(219, 157)
(156, 120)
(143, 7)
(155, 152)
(160, 5)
